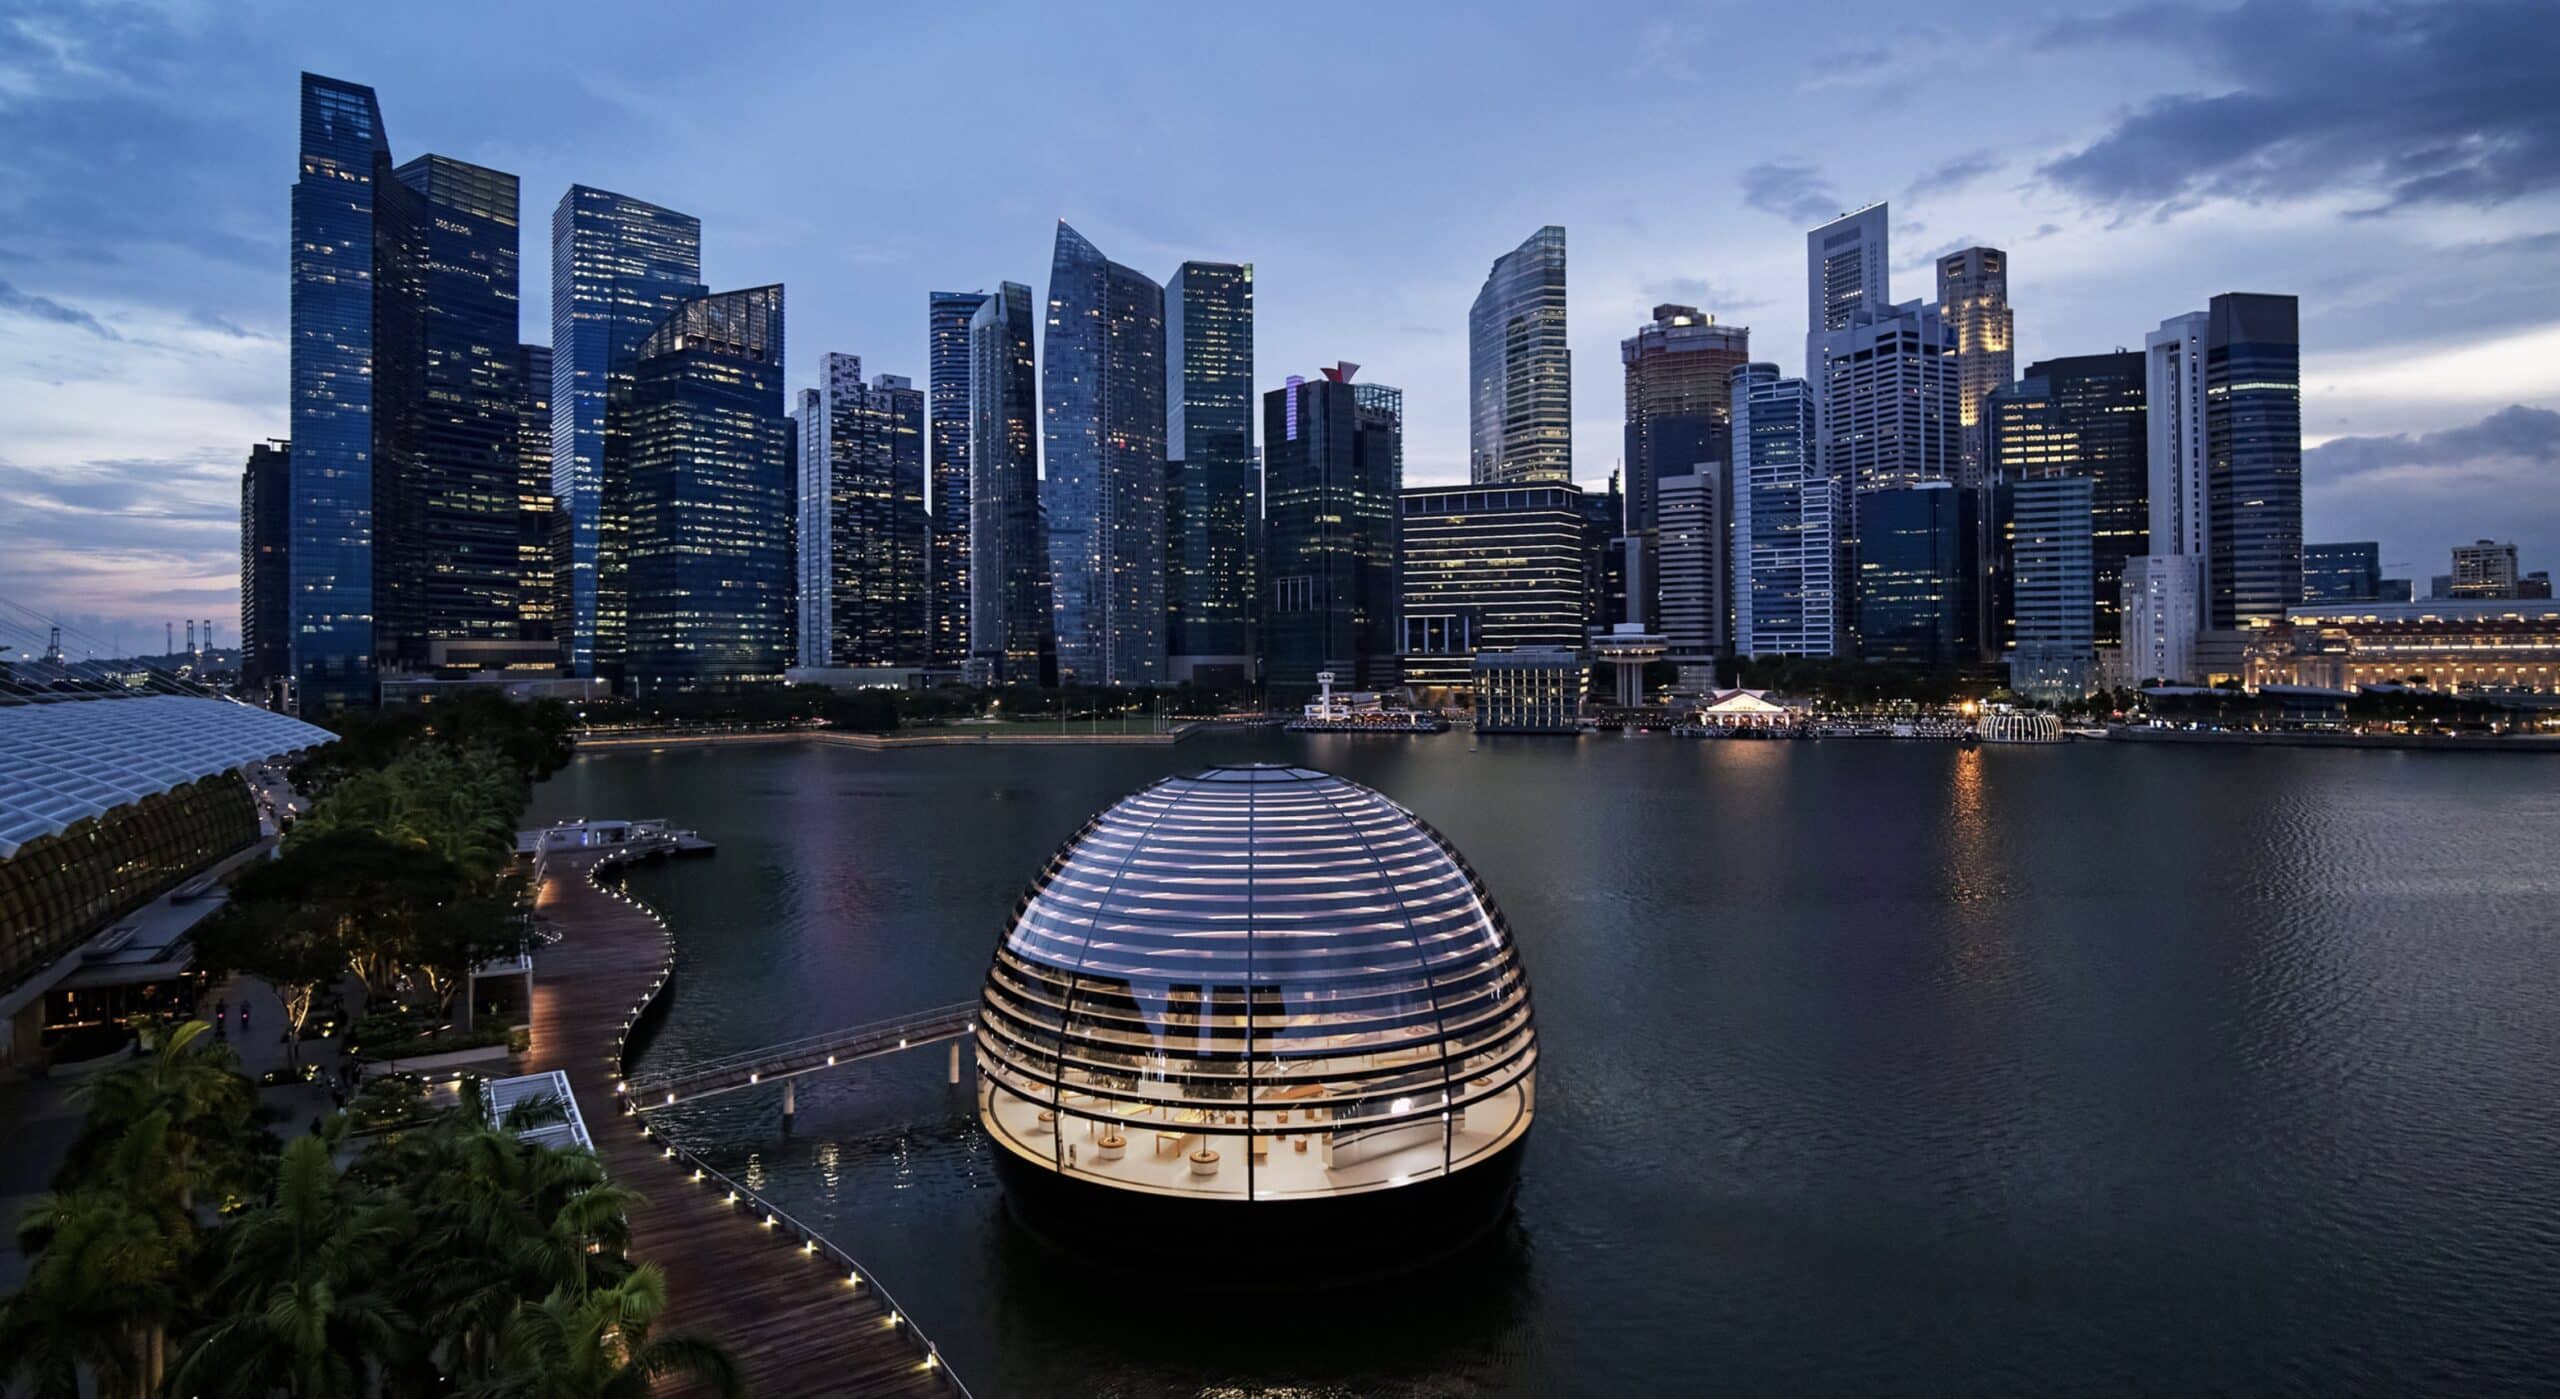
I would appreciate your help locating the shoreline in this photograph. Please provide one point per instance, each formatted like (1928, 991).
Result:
(873, 743)
(2434, 743)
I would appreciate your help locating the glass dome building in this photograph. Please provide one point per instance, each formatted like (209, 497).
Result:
(1265, 999)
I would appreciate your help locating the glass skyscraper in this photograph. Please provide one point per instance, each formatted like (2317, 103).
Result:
(1918, 600)
(862, 526)
(619, 266)
(947, 317)
(1487, 568)
(2253, 458)
(2342, 572)
(536, 509)
(1213, 495)
(1102, 381)
(266, 593)
(1010, 640)
(1333, 458)
(2047, 566)
(1679, 400)
(1785, 602)
(709, 497)
(345, 157)
(2084, 416)
(1973, 295)
(1520, 368)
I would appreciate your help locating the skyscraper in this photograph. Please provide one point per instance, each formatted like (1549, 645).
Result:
(1333, 461)
(1213, 493)
(1488, 568)
(1887, 412)
(947, 316)
(619, 267)
(710, 497)
(2158, 639)
(2487, 569)
(1973, 296)
(2084, 416)
(1010, 637)
(2043, 533)
(2342, 572)
(1691, 535)
(1679, 372)
(1785, 600)
(2163, 596)
(863, 597)
(1846, 272)
(1520, 368)
(345, 157)
(1103, 410)
(266, 589)
(1917, 576)
(537, 514)
(2253, 457)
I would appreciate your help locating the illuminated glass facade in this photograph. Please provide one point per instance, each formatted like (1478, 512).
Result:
(863, 531)
(1333, 456)
(2253, 458)
(1213, 494)
(1010, 636)
(1102, 403)
(58, 891)
(1973, 295)
(2042, 528)
(1520, 368)
(618, 267)
(1918, 587)
(947, 317)
(1488, 568)
(2085, 416)
(266, 590)
(345, 159)
(1257, 985)
(710, 497)
(537, 584)
(1785, 598)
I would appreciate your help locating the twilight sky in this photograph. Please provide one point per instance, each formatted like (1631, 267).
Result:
(2395, 164)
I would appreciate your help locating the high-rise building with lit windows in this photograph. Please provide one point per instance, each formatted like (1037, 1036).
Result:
(709, 495)
(1847, 273)
(619, 267)
(2041, 528)
(2342, 572)
(1488, 568)
(947, 317)
(2485, 569)
(537, 510)
(1973, 296)
(2084, 416)
(1333, 459)
(1010, 636)
(266, 592)
(1785, 598)
(1212, 489)
(1679, 369)
(2253, 458)
(1887, 412)
(863, 533)
(1520, 368)
(1103, 433)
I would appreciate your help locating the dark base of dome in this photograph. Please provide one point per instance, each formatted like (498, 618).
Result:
(1263, 1245)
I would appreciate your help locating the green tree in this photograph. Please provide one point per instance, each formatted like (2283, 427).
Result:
(599, 1346)
(104, 1285)
(206, 1112)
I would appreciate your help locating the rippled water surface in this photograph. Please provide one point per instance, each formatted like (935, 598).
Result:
(1872, 1067)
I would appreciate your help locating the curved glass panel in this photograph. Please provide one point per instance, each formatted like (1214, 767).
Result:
(1260, 982)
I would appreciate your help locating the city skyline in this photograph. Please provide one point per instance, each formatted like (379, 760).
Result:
(147, 346)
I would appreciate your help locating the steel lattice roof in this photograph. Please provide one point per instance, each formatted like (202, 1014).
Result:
(65, 762)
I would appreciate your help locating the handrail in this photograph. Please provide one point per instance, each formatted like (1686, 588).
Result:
(814, 1242)
(949, 1021)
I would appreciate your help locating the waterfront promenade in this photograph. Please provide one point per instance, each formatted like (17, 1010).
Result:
(785, 1308)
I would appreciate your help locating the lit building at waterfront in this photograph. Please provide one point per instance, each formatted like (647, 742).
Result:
(2486, 569)
(2161, 594)
(1520, 368)
(1102, 403)
(2085, 416)
(1213, 493)
(1488, 568)
(2253, 458)
(1917, 599)
(863, 591)
(1533, 690)
(1679, 371)
(1197, 1018)
(947, 317)
(1973, 295)
(2042, 530)
(1333, 460)
(537, 509)
(1691, 535)
(1784, 599)
(1010, 641)
(2446, 643)
(2342, 572)
(710, 493)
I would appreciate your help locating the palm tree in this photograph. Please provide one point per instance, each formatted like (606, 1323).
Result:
(599, 1347)
(194, 1085)
(99, 1295)
(300, 1305)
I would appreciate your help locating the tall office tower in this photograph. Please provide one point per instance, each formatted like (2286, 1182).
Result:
(864, 535)
(1212, 489)
(2486, 569)
(2043, 531)
(1010, 636)
(1917, 584)
(1887, 415)
(1604, 584)
(2253, 458)
(1520, 368)
(2084, 416)
(1333, 460)
(812, 598)
(266, 588)
(947, 315)
(537, 592)
(2342, 572)
(709, 495)
(1679, 400)
(345, 159)
(619, 267)
(1102, 403)
(1846, 272)
(1691, 534)
(2163, 596)
(1785, 599)
(1488, 568)
(1973, 295)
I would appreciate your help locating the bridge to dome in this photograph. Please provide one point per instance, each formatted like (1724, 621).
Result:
(792, 1059)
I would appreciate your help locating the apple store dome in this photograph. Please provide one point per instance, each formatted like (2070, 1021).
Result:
(1261, 986)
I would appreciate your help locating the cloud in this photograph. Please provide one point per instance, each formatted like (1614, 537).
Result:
(45, 308)
(1789, 190)
(1954, 174)
(1711, 297)
(2423, 492)
(2405, 103)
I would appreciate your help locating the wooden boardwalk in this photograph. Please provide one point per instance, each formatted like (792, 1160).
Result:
(789, 1314)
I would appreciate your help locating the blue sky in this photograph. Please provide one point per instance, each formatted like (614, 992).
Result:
(2397, 165)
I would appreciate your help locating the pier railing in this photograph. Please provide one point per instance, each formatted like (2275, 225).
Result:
(809, 1054)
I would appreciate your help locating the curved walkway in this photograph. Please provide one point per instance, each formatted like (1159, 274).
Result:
(787, 1308)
